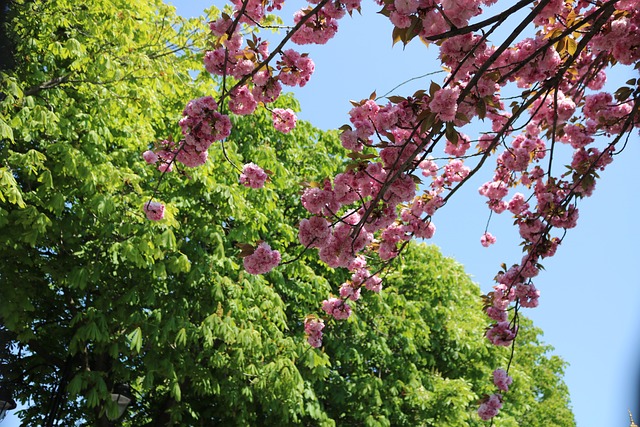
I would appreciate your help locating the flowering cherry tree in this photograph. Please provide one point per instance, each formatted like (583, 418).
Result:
(409, 154)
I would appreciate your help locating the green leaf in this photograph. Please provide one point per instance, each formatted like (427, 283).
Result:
(9, 190)
(181, 337)
(135, 340)
(5, 131)
(176, 392)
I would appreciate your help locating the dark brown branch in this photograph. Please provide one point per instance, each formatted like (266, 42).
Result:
(474, 27)
(504, 46)
(48, 85)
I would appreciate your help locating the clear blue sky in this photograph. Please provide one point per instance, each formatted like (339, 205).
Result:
(589, 308)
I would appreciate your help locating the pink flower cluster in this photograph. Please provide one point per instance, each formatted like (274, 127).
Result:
(529, 61)
(621, 39)
(513, 286)
(490, 407)
(241, 101)
(262, 260)
(501, 379)
(150, 157)
(501, 333)
(487, 239)
(313, 328)
(336, 308)
(351, 289)
(314, 232)
(361, 277)
(201, 125)
(603, 110)
(253, 176)
(284, 120)
(259, 81)
(433, 17)
(445, 104)
(320, 30)
(295, 68)
(154, 210)
(164, 156)
(324, 25)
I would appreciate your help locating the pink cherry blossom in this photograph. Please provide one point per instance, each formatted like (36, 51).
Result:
(490, 407)
(337, 308)
(487, 239)
(444, 103)
(501, 334)
(501, 379)
(154, 210)
(318, 31)
(262, 260)
(347, 290)
(295, 69)
(253, 176)
(496, 314)
(313, 328)
(284, 120)
(314, 232)
(150, 157)
(242, 101)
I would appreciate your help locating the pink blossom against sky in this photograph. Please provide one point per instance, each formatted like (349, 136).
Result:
(596, 256)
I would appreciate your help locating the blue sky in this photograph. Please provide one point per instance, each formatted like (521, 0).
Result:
(589, 308)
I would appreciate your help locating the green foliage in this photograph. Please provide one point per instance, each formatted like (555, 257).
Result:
(415, 355)
(93, 294)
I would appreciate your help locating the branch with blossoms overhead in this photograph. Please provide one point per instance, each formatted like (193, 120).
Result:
(409, 156)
